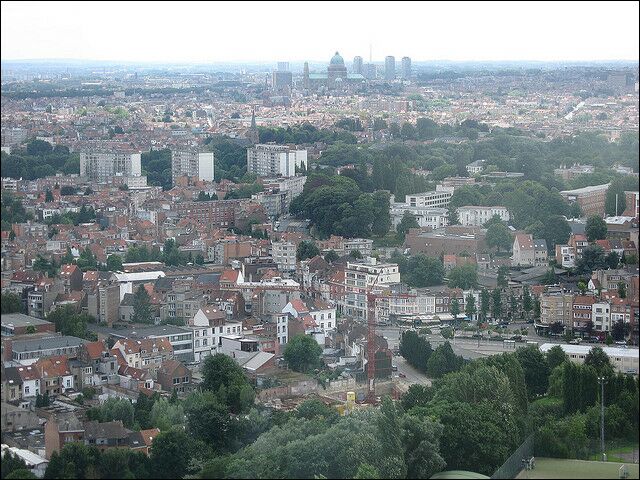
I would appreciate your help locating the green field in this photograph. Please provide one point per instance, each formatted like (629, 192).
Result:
(561, 468)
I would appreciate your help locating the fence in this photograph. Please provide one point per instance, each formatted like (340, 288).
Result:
(512, 466)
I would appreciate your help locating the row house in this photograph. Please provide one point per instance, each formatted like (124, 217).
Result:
(22, 382)
(146, 354)
(578, 242)
(323, 314)
(42, 297)
(581, 312)
(55, 375)
(95, 365)
(556, 308)
(528, 251)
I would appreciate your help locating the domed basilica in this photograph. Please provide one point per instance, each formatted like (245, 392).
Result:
(335, 76)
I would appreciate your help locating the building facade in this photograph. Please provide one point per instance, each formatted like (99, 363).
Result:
(191, 163)
(275, 160)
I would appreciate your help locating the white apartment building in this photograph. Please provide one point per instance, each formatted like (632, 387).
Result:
(434, 199)
(191, 163)
(601, 316)
(566, 256)
(477, 216)
(362, 245)
(476, 167)
(425, 216)
(275, 160)
(284, 254)
(361, 277)
(101, 166)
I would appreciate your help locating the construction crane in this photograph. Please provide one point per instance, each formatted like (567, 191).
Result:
(371, 341)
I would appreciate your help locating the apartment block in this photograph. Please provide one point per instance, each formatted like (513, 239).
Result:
(100, 167)
(275, 160)
(476, 216)
(191, 163)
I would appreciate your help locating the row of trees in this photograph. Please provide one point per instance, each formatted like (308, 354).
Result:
(435, 363)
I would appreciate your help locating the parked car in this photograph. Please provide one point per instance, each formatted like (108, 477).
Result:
(576, 341)
(394, 368)
(402, 375)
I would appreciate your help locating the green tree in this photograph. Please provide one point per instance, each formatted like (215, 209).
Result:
(22, 473)
(11, 303)
(306, 250)
(164, 414)
(170, 455)
(454, 308)
(596, 228)
(592, 259)
(302, 353)
(408, 221)
(536, 370)
(470, 306)
(498, 237)
(599, 360)
(527, 301)
(612, 259)
(222, 374)
(485, 302)
(142, 312)
(503, 280)
(367, 471)
(582, 287)
(11, 463)
(314, 408)
(331, 256)
(622, 289)
(48, 197)
(496, 304)
(463, 276)
(442, 361)
(556, 357)
(114, 263)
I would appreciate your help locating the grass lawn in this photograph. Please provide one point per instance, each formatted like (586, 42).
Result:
(561, 468)
(620, 453)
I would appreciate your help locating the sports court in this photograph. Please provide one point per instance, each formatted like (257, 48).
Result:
(562, 468)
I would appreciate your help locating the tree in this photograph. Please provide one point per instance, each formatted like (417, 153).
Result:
(306, 250)
(331, 256)
(142, 312)
(599, 360)
(498, 237)
(114, 263)
(619, 331)
(302, 353)
(367, 471)
(48, 196)
(463, 276)
(503, 280)
(536, 370)
(165, 414)
(527, 302)
(485, 301)
(582, 287)
(408, 221)
(596, 228)
(454, 308)
(592, 259)
(470, 306)
(496, 304)
(549, 278)
(612, 259)
(11, 463)
(22, 473)
(11, 303)
(314, 408)
(170, 455)
(68, 322)
(442, 361)
(87, 260)
(556, 357)
(415, 349)
(221, 374)
(355, 254)
(622, 289)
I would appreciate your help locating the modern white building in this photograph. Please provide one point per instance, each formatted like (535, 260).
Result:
(359, 279)
(191, 163)
(434, 199)
(476, 216)
(476, 167)
(284, 254)
(601, 316)
(275, 160)
(101, 166)
(425, 216)
(624, 360)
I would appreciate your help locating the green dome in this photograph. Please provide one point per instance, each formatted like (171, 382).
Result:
(337, 60)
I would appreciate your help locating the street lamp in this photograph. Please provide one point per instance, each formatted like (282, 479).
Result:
(601, 381)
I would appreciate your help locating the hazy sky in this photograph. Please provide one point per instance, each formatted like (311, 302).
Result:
(294, 31)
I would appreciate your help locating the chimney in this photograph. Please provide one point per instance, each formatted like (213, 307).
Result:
(7, 346)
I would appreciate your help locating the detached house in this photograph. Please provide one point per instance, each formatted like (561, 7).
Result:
(528, 252)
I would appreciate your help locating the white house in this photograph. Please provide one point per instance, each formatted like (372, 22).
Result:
(323, 314)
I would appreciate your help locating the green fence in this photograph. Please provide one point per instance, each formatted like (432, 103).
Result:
(512, 466)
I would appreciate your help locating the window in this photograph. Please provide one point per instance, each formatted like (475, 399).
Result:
(176, 381)
(26, 390)
(185, 379)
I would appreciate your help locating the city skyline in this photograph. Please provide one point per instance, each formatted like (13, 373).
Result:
(174, 33)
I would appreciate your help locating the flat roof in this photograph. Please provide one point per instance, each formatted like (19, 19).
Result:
(47, 343)
(584, 349)
(592, 188)
(21, 320)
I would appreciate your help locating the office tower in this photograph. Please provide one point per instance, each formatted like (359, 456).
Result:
(389, 68)
(275, 161)
(305, 75)
(357, 65)
(283, 66)
(191, 163)
(281, 79)
(369, 71)
(406, 68)
(102, 166)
